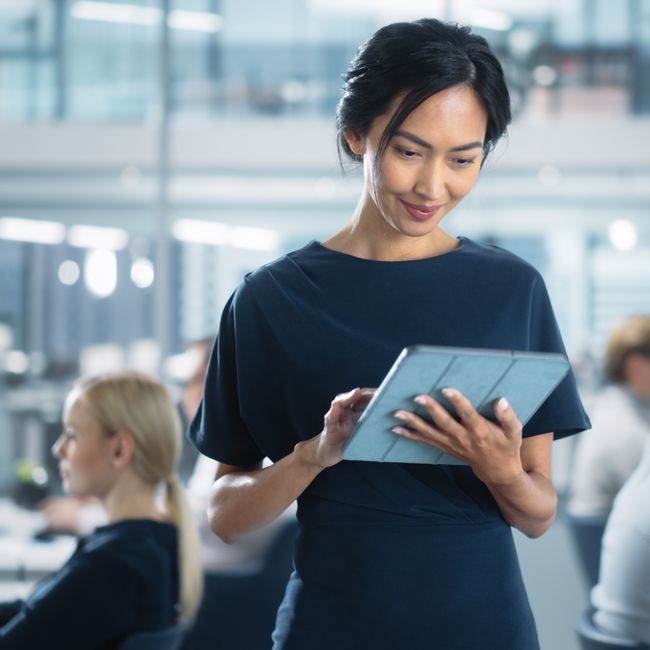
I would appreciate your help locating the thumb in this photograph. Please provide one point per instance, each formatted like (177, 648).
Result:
(507, 417)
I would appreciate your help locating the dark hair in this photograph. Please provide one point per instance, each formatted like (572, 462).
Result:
(420, 58)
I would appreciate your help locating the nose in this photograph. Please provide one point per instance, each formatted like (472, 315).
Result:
(57, 447)
(431, 181)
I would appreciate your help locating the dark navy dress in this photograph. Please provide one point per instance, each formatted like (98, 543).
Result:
(389, 555)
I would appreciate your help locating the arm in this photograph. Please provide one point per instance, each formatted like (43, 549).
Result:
(517, 472)
(88, 604)
(243, 499)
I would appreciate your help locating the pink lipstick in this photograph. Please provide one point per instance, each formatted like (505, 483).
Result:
(421, 212)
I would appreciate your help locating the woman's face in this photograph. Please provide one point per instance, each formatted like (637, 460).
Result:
(85, 453)
(429, 165)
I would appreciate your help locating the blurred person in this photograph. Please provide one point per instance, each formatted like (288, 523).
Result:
(80, 516)
(621, 599)
(216, 555)
(606, 456)
(391, 555)
(219, 612)
(139, 572)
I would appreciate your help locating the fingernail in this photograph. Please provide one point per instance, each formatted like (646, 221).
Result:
(397, 431)
(449, 392)
(421, 400)
(502, 404)
(400, 415)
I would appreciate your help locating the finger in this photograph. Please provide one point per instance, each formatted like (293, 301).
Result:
(507, 417)
(438, 414)
(363, 398)
(432, 437)
(416, 425)
(346, 399)
(463, 407)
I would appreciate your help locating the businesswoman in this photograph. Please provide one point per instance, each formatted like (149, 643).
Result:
(391, 555)
(141, 571)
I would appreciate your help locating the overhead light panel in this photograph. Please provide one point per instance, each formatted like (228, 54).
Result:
(221, 234)
(112, 239)
(488, 19)
(100, 272)
(32, 230)
(195, 21)
(130, 14)
(623, 235)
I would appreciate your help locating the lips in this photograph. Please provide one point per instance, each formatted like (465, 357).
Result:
(421, 212)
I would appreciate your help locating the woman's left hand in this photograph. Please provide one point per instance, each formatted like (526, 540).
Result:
(492, 449)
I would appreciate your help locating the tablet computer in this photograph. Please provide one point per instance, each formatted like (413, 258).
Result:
(525, 379)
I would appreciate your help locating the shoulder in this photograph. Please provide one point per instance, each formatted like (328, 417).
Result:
(499, 259)
(277, 276)
(139, 545)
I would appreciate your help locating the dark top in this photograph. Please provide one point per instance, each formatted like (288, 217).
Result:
(316, 323)
(121, 579)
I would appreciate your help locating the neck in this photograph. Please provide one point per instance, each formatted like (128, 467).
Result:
(369, 236)
(132, 498)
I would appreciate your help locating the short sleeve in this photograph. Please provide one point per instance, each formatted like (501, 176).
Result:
(562, 412)
(218, 429)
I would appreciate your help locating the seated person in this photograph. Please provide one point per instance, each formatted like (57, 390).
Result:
(140, 572)
(622, 597)
(218, 622)
(216, 555)
(607, 455)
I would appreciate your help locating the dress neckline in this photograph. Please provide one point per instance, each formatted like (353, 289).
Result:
(318, 246)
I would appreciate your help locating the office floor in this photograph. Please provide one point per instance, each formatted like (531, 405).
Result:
(556, 588)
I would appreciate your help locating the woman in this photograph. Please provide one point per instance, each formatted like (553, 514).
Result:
(388, 555)
(141, 571)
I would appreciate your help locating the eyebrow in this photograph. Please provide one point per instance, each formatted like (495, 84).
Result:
(423, 143)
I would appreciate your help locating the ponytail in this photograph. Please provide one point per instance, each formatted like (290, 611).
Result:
(190, 571)
(141, 405)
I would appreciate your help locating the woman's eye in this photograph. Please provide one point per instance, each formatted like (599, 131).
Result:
(464, 162)
(406, 153)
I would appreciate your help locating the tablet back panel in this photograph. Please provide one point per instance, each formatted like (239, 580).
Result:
(525, 379)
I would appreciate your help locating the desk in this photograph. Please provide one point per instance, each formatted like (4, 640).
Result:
(24, 560)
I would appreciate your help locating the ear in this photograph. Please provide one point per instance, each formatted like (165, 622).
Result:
(122, 448)
(355, 141)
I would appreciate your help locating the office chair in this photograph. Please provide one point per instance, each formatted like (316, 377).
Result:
(592, 638)
(169, 638)
(587, 533)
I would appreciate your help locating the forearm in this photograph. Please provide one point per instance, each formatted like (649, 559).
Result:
(528, 502)
(246, 500)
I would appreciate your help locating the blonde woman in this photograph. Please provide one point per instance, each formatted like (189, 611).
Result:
(140, 572)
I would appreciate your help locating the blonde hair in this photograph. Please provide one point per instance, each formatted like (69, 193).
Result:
(629, 337)
(140, 404)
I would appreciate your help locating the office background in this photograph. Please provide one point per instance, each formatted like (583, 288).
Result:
(153, 151)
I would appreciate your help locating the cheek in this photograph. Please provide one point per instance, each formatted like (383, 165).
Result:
(463, 184)
(395, 179)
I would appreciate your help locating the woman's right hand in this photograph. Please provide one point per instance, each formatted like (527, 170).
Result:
(325, 449)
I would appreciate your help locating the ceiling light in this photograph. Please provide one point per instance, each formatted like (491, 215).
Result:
(623, 235)
(100, 272)
(68, 272)
(130, 14)
(32, 230)
(142, 273)
(113, 239)
(221, 234)
(488, 19)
